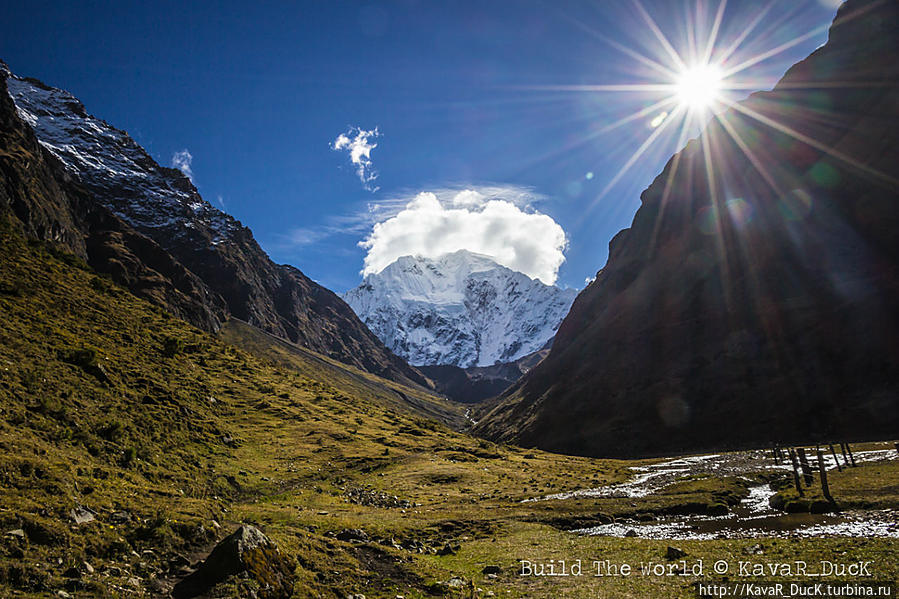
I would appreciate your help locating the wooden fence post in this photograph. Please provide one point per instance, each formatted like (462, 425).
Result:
(851, 457)
(835, 458)
(825, 488)
(795, 472)
(806, 469)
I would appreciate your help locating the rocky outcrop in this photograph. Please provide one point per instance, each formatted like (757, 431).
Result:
(755, 298)
(247, 551)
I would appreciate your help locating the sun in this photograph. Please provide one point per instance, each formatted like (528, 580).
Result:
(698, 87)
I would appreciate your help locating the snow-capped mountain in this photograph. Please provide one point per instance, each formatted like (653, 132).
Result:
(462, 309)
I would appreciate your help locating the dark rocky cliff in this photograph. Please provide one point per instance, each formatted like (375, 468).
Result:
(755, 298)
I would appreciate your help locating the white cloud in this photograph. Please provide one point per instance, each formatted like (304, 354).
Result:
(181, 160)
(494, 221)
(359, 143)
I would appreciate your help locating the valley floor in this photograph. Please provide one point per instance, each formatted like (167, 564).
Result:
(130, 443)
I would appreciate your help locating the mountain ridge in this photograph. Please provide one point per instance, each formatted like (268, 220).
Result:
(231, 272)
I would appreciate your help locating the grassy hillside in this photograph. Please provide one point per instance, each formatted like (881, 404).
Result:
(169, 438)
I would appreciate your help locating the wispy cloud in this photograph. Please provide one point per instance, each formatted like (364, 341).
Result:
(182, 160)
(359, 143)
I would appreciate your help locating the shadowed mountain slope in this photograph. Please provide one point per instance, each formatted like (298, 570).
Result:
(755, 298)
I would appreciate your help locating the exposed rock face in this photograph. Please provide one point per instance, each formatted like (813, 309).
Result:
(462, 309)
(145, 219)
(248, 551)
(50, 205)
(753, 301)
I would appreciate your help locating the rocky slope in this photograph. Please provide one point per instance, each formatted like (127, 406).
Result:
(462, 309)
(755, 298)
(50, 205)
(162, 224)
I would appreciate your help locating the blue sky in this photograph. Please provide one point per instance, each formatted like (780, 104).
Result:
(464, 95)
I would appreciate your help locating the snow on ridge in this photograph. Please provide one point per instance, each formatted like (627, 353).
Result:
(461, 308)
(122, 175)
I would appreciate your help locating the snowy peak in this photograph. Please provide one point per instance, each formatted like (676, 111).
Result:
(462, 309)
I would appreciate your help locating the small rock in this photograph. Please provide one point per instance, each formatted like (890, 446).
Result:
(754, 550)
(455, 583)
(82, 515)
(446, 550)
(178, 561)
(674, 553)
(63, 595)
(631, 533)
(352, 534)
(87, 567)
(491, 570)
(120, 517)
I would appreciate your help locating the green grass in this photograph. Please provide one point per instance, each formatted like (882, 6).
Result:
(108, 403)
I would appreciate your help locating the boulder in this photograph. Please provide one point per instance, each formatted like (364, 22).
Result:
(247, 551)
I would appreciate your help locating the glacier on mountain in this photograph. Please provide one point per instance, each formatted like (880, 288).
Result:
(462, 309)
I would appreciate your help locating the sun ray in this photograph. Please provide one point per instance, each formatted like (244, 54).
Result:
(636, 156)
(812, 142)
(713, 34)
(660, 36)
(774, 51)
(669, 181)
(637, 115)
(726, 53)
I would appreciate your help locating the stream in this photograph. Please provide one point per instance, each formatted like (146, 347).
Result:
(753, 518)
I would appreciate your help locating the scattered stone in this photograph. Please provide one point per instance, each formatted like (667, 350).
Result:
(631, 533)
(82, 515)
(120, 517)
(756, 549)
(455, 583)
(352, 534)
(673, 553)
(63, 595)
(373, 498)
(247, 552)
(87, 567)
(178, 561)
(491, 570)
